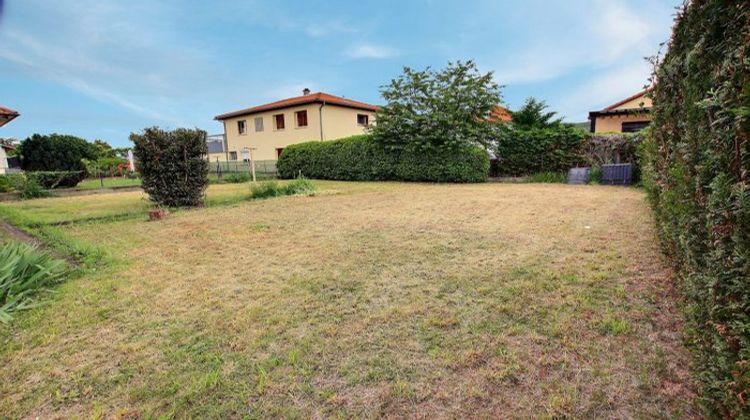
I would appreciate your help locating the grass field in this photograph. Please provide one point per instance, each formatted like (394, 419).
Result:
(94, 183)
(367, 299)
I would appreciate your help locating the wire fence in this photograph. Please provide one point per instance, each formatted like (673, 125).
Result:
(266, 167)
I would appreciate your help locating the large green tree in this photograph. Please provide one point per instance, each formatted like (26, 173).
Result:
(431, 110)
(55, 152)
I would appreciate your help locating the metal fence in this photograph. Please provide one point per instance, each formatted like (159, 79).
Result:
(265, 167)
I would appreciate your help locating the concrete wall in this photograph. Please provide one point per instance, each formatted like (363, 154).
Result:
(3, 161)
(338, 122)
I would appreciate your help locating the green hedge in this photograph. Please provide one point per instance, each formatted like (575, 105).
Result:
(172, 165)
(359, 158)
(697, 169)
(57, 179)
(528, 151)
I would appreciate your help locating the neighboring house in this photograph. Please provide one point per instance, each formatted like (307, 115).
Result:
(500, 113)
(6, 115)
(269, 128)
(216, 151)
(629, 115)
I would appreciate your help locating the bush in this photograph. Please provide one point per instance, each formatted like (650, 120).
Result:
(269, 189)
(29, 188)
(596, 175)
(172, 165)
(237, 178)
(359, 158)
(527, 151)
(54, 152)
(601, 149)
(57, 179)
(24, 271)
(697, 166)
(548, 178)
(10, 182)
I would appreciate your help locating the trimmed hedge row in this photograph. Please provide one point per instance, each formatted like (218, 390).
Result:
(359, 158)
(528, 151)
(698, 177)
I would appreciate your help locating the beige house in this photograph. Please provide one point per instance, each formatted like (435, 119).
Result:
(267, 129)
(629, 115)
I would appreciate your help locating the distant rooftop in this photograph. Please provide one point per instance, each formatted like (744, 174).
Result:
(307, 98)
(6, 115)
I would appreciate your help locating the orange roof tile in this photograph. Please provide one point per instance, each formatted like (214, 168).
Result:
(500, 113)
(318, 97)
(6, 115)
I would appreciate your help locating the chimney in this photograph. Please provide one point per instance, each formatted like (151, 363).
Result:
(305, 91)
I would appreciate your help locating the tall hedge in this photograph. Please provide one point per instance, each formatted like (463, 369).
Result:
(698, 178)
(172, 165)
(54, 152)
(527, 151)
(359, 158)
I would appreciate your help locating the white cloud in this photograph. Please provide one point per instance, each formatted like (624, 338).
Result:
(371, 51)
(600, 34)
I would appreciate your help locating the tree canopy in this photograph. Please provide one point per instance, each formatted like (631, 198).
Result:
(429, 109)
(534, 114)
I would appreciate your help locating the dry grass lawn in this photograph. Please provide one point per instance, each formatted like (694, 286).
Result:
(367, 300)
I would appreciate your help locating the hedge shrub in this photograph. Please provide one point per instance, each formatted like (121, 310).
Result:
(54, 152)
(528, 151)
(172, 165)
(359, 158)
(57, 179)
(698, 178)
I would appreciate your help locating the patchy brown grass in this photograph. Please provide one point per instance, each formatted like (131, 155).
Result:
(383, 300)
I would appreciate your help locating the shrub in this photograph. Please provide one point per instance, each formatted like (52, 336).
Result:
(29, 188)
(697, 166)
(57, 179)
(601, 149)
(10, 182)
(596, 175)
(548, 178)
(300, 186)
(269, 189)
(55, 152)
(172, 165)
(237, 177)
(359, 158)
(528, 151)
(24, 272)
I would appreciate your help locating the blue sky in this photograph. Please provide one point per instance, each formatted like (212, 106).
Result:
(105, 68)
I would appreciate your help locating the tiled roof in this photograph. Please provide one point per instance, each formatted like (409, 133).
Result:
(626, 100)
(311, 98)
(7, 114)
(500, 113)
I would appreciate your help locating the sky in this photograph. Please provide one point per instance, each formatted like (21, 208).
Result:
(101, 69)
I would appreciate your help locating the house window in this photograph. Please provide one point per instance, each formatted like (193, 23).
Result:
(279, 121)
(301, 118)
(278, 152)
(363, 119)
(232, 155)
(259, 124)
(241, 126)
(634, 126)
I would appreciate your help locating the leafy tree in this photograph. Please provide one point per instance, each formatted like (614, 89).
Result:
(534, 114)
(173, 165)
(429, 110)
(55, 152)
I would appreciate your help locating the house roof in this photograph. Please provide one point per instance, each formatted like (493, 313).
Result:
(500, 113)
(626, 100)
(6, 115)
(318, 97)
